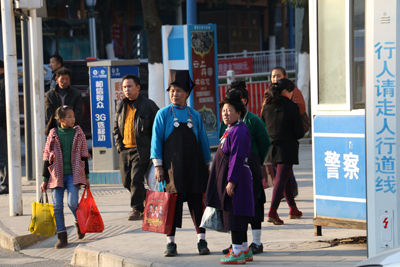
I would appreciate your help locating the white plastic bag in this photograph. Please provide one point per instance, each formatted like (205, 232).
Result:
(151, 178)
(212, 219)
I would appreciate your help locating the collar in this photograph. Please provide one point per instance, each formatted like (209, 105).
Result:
(65, 130)
(179, 107)
(58, 89)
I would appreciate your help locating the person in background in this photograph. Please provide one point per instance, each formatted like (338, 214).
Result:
(63, 94)
(230, 186)
(180, 154)
(259, 149)
(278, 73)
(3, 135)
(285, 127)
(65, 167)
(134, 117)
(56, 62)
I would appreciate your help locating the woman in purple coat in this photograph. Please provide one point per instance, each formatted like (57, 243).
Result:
(230, 186)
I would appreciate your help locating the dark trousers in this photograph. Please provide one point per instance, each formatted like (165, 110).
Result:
(282, 186)
(238, 237)
(255, 225)
(132, 176)
(196, 209)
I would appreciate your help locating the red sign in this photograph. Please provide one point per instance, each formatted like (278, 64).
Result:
(203, 68)
(242, 65)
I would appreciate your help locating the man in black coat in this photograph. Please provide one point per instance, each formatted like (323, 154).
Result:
(56, 62)
(133, 124)
(3, 135)
(63, 94)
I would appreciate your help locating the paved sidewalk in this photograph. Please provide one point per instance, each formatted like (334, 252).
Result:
(123, 243)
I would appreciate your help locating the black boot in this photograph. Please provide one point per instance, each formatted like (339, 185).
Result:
(78, 231)
(62, 240)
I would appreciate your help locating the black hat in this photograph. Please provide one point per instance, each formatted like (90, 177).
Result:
(182, 79)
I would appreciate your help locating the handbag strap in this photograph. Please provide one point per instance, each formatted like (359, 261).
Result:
(84, 193)
(88, 192)
(161, 186)
(46, 198)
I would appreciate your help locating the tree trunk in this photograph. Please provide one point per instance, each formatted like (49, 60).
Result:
(303, 77)
(152, 25)
(106, 24)
(305, 42)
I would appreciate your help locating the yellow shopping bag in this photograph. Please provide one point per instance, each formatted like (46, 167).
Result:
(43, 221)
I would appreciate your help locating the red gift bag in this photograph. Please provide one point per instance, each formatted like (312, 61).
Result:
(159, 212)
(88, 215)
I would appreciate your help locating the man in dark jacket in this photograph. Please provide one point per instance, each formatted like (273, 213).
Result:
(3, 134)
(132, 133)
(63, 94)
(56, 62)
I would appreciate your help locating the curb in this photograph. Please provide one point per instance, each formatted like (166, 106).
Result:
(91, 257)
(12, 242)
(8, 240)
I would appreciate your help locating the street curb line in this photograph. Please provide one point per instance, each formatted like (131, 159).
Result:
(90, 257)
(8, 239)
(12, 242)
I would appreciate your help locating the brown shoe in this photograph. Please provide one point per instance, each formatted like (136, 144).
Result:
(294, 213)
(135, 215)
(62, 240)
(274, 218)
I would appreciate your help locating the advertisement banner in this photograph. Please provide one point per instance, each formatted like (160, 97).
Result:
(100, 107)
(242, 65)
(204, 72)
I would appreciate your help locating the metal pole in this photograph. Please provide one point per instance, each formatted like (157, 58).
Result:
(27, 100)
(92, 32)
(38, 103)
(191, 12)
(12, 107)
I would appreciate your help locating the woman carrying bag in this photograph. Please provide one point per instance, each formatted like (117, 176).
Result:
(180, 153)
(65, 167)
(230, 186)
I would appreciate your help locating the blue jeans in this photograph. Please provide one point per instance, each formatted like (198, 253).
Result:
(58, 200)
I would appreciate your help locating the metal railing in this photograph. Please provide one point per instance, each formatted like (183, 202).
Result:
(264, 61)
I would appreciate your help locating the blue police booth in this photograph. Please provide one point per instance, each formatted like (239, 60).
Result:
(339, 171)
(338, 113)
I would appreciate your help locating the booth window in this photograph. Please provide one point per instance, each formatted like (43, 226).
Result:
(358, 73)
(332, 52)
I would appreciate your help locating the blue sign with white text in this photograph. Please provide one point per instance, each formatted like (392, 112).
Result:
(339, 153)
(121, 71)
(100, 107)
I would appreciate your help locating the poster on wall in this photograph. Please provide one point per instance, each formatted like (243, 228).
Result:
(100, 107)
(204, 72)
